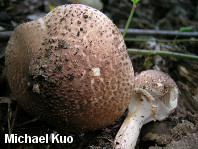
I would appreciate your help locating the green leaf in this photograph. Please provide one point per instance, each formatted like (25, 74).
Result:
(135, 1)
(187, 28)
(50, 6)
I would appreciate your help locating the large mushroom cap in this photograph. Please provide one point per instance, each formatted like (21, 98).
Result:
(71, 68)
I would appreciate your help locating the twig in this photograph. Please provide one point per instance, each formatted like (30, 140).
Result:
(29, 121)
(14, 118)
(160, 40)
(162, 53)
(5, 100)
(159, 33)
(192, 22)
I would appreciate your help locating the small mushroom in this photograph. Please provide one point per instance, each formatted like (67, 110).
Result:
(71, 68)
(154, 98)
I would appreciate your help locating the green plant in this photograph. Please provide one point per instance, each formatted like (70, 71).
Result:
(182, 29)
(153, 52)
(130, 16)
(186, 28)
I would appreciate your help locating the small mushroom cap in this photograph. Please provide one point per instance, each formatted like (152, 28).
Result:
(71, 68)
(160, 90)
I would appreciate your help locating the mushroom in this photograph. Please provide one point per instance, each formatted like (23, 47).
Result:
(71, 68)
(154, 98)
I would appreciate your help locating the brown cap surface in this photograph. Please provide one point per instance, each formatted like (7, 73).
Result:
(70, 67)
(155, 81)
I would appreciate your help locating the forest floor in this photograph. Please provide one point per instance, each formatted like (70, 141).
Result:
(179, 130)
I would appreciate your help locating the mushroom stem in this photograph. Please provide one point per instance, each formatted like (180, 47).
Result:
(127, 136)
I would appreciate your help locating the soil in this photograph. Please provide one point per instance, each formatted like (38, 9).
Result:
(179, 130)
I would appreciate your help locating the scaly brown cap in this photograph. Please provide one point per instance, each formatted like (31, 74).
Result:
(71, 68)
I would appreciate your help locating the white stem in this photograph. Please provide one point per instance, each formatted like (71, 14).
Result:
(127, 136)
